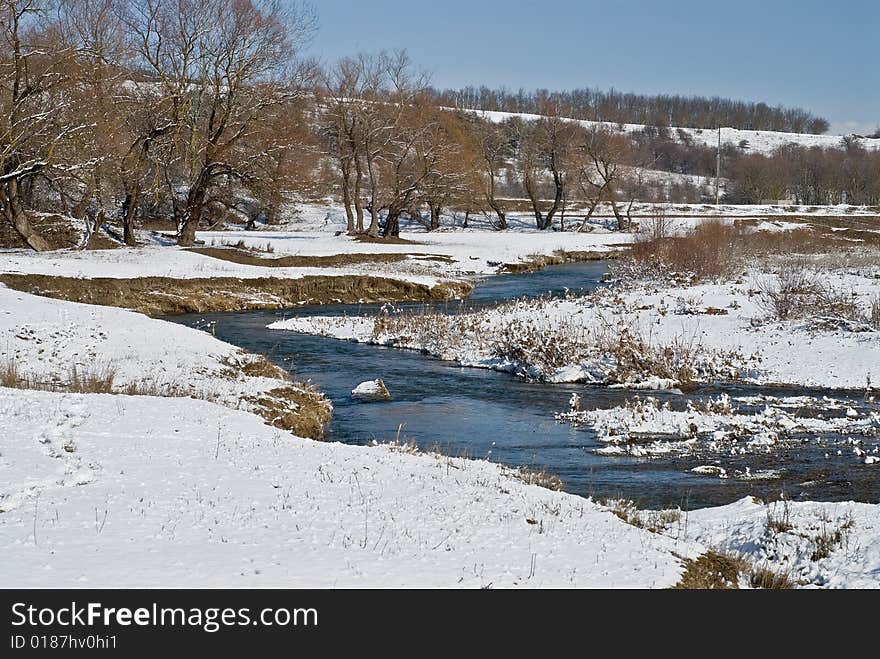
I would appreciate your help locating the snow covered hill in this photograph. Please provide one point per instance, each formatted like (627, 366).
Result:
(754, 141)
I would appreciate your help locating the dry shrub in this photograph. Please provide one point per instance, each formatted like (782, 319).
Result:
(875, 313)
(708, 251)
(799, 292)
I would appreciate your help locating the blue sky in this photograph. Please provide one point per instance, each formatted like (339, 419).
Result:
(822, 56)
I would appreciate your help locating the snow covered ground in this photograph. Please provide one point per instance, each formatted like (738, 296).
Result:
(829, 545)
(135, 490)
(121, 490)
(118, 491)
(431, 257)
(124, 491)
(54, 344)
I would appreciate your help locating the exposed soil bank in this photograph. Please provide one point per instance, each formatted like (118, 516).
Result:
(165, 296)
(245, 257)
(537, 262)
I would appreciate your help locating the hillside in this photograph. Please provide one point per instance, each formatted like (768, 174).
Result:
(757, 141)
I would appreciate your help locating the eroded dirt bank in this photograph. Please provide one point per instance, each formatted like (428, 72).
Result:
(164, 295)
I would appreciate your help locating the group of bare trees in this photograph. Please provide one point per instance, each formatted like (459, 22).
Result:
(656, 110)
(117, 112)
(811, 176)
(395, 151)
(124, 108)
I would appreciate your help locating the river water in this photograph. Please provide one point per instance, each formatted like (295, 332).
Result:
(503, 418)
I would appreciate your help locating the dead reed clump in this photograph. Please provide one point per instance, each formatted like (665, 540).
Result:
(97, 378)
(716, 570)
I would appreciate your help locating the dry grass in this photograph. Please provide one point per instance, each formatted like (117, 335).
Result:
(166, 295)
(715, 249)
(527, 340)
(268, 248)
(830, 537)
(540, 477)
(779, 521)
(766, 578)
(294, 406)
(713, 571)
(655, 521)
(716, 570)
(95, 379)
(244, 256)
(298, 407)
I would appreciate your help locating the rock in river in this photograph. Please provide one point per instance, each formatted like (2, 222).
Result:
(371, 391)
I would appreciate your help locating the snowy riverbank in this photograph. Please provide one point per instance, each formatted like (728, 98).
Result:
(707, 331)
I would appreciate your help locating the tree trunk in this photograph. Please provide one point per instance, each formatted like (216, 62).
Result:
(557, 199)
(392, 225)
(21, 224)
(358, 202)
(18, 219)
(621, 224)
(530, 191)
(192, 215)
(129, 213)
(374, 223)
(435, 217)
(345, 166)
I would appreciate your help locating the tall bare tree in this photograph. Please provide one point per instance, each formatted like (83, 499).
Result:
(602, 158)
(36, 121)
(226, 67)
(495, 150)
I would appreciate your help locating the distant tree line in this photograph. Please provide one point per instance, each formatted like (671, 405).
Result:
(653, 110)
(810, 176)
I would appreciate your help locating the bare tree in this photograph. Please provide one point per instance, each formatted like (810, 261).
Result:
(603, 155)
(446, 157)
(390, 87)
(226, 67)
(544, 149)
(495, 150)
(35, 112)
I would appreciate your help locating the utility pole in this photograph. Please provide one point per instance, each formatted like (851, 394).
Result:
(718, 167)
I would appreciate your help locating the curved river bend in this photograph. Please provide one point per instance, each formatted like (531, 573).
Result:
(487, 414)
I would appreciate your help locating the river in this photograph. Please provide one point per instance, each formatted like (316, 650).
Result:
(486, 414)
